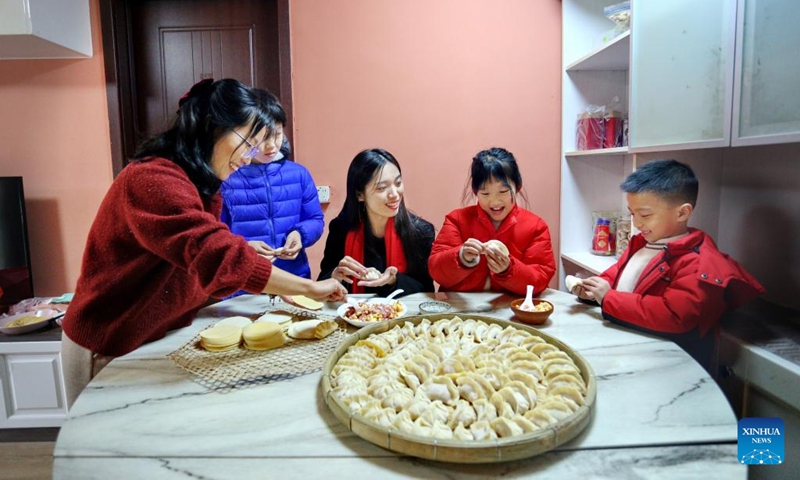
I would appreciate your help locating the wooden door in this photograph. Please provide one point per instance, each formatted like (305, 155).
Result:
(162, 47)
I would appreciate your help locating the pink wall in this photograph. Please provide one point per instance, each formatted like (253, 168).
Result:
(433, 83)
(54, 133)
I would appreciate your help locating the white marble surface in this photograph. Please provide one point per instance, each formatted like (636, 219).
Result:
(655, 406)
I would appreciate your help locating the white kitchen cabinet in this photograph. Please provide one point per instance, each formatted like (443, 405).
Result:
(32, 385)
(681, 74)
(45, 29)
(766, 102)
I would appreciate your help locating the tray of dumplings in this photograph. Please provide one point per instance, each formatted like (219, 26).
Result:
(466, 390)
(239, 352)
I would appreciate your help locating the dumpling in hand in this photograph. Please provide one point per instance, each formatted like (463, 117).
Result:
(372, 274)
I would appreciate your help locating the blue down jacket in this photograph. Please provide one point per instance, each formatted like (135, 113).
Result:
(267, 201)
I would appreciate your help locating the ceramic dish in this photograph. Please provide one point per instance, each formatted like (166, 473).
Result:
(434, 306)
(358, 323)
(45, 315)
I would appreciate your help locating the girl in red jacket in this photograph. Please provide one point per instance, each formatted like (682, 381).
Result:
(463, 259)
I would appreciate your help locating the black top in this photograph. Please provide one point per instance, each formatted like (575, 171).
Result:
(416, 279)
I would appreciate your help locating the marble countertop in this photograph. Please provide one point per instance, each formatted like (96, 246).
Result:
(144, 417)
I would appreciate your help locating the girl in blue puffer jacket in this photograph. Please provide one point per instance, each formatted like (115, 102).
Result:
(273, 202)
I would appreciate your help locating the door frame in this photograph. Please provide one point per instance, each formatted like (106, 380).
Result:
(115, 20)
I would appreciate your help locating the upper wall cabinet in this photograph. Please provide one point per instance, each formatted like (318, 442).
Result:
(682, 63)
(766, 101)
(45, 29)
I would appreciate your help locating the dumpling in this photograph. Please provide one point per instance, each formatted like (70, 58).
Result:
(505, 427)
(555, 408)
(410, 379)
(493, 331)
(473, 386)
(398, 399)
(383, 390)
(540, 417)
(463, 414)
(417, 407)
(440, 388)
(556, 370)
(422, 428)
(482, 430)
(567, 379)
(518, 396)
(349, 390)
(503, 407)
(527, 379)
(529, 342)
(357, 403)
(484, 409)
(541, 348)
(467, 327)
(462, 433)
(436, 411)
(531, 368)
(568, 394)
(440, 430)
(495, 377)
(524, 356)
(526, 425)
(403, 422)
(382, 416)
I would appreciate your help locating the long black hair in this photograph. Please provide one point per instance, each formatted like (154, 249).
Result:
(206, 113)
(362, 170)
(495, 163)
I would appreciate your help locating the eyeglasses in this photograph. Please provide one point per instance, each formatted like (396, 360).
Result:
(252, 150)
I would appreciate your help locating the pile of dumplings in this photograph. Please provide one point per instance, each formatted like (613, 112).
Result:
(458, 379)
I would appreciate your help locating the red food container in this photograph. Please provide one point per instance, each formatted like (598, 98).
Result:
(611, 124)
(590, 131)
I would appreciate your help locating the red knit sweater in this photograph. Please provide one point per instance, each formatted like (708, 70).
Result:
(155, 253)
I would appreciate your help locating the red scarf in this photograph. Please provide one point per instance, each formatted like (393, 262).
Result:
(395, 257)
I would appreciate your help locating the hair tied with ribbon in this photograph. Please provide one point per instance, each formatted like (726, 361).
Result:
(199, 88)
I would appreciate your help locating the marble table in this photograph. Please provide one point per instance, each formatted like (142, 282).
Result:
(658, 414)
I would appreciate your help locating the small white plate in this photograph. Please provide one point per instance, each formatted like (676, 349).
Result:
(45, 315)
(357, 323)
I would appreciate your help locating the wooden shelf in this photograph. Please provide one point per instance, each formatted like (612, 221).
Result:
(603, 152)
(596, 264)
(614, 55)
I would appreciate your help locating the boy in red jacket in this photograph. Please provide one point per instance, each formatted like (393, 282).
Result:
(672, 280)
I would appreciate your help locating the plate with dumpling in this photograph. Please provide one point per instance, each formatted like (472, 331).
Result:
(464, 389)
(371, 311)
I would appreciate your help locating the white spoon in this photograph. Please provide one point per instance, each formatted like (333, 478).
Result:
(528, 303)
(394, 294)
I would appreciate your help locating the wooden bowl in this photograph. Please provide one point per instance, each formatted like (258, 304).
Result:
(532, 318)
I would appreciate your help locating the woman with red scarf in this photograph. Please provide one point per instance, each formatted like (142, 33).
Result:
(375, 231)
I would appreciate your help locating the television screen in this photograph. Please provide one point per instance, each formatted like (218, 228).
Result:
(16, 281)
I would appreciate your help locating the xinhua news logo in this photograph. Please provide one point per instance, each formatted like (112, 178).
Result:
(761, 441)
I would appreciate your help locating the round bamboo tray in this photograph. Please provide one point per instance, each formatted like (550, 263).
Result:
(460, 451)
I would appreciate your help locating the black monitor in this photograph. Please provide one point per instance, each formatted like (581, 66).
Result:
(16, 280)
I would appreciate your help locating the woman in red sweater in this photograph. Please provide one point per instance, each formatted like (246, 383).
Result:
(456, 261)
(157, 251)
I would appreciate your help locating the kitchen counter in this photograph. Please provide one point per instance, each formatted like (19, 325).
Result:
(657, 414)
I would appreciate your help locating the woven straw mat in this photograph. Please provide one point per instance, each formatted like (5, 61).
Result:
(242, 368)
